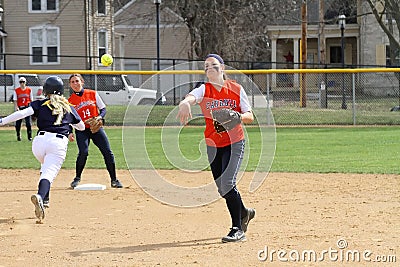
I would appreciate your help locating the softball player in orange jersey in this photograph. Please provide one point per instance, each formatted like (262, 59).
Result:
(225, 150)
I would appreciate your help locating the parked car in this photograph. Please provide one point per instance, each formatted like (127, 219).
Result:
(8, 83)
(117, 89)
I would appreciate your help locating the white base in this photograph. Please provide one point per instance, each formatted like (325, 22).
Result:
(87, 187)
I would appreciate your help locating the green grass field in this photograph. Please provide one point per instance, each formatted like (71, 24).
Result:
(373, 112)
(298, 149)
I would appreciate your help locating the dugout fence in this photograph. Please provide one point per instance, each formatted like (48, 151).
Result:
(365, 96)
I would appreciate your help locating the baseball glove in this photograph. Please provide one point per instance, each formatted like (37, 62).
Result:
(225, 119)
(95, 123)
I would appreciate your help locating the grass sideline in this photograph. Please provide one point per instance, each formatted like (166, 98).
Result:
(298, 149)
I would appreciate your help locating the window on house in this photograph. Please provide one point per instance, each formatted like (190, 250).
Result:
(36, 5)
(101, 7)
(102, 44)
(51, 5)
(52, 45)
(336, 54)
(44, 45)
(396, 62)
(43, 5)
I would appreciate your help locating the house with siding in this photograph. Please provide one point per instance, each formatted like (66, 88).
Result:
(54, 34)
(365, 45)
(374, 51)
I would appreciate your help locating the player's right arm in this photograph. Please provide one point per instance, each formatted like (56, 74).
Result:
(185, 112)
(17, 115)
(195, 96)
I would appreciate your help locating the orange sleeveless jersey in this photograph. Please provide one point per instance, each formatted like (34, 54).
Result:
(85, 105)
(23, 96)
(228, 97)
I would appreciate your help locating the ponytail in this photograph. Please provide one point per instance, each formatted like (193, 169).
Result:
(59, 106)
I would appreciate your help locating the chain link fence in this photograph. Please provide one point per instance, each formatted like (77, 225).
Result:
(333, 98)
(291, 97)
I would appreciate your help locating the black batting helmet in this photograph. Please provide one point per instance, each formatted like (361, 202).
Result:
(53, 85)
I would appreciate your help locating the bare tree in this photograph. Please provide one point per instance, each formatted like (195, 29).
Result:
(338, 7)
(236, 29)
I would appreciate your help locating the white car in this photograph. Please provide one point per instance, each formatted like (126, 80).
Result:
(8, 83)
(118, 90)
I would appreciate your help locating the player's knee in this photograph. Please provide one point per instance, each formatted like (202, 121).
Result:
(46, 178)
(109, 157)
(83, 155)
(228, 192)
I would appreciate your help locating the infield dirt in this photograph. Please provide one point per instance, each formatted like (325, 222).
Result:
(295, 212)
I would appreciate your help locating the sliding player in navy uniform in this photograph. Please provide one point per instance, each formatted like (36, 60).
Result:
(55, 119)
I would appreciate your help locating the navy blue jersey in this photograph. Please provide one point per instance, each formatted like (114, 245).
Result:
(45, 119)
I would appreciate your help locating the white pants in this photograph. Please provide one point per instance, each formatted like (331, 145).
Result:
(50, 151)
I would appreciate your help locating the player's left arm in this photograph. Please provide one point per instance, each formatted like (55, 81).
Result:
(102, 109)
(101, 106)
(247, 113)
(247, 117)
(31, 96)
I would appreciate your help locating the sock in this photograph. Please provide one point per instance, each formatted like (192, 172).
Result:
(44, 188)
(111, 171)
(234, 204)
(47, 197)
(79, 169)
(80, 164)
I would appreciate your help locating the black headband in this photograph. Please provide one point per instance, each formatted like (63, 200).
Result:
(216, 57)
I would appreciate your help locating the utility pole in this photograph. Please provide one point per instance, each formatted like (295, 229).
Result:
(303, 58)
(322, 54)
(321, 34)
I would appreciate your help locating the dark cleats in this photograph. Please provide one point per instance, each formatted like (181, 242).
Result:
(116, 184)
(246, 219)
(75, 182)
(39, 208)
